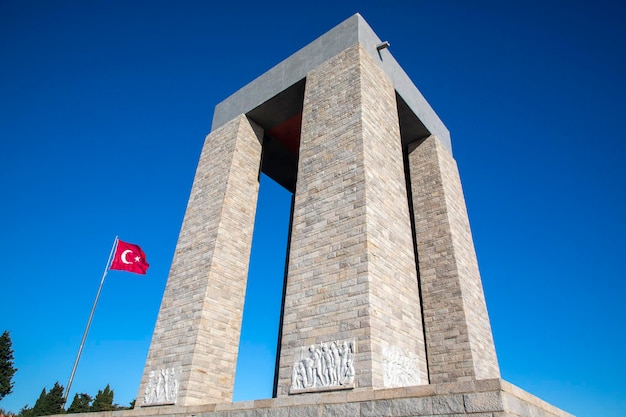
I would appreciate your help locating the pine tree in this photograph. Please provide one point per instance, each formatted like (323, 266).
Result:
(49, 403)
(25, 412)
(40, 405)
(80, 404)
(7, 370)
(55, 401)
(103, 400)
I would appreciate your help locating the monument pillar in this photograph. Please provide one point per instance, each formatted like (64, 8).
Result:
(193, 354)
(458, 334)
(352, 280)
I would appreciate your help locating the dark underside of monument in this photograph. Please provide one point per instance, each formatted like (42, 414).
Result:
(281, 119)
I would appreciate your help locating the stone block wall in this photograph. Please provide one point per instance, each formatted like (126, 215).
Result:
(483, 398)
(352, 273)
(193, 353)
(458, 334)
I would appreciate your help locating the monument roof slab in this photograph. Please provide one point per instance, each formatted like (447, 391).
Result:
(295, 68)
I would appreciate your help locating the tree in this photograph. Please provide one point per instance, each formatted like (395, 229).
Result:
(49, 403)
(80, 404)
(55, 400)
(7, 370)
(25, 412)
(103, 400)
(40, 405)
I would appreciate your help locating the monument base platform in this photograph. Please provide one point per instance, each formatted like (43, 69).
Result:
(480, 398)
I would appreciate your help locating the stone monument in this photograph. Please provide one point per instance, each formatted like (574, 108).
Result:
(383, 309)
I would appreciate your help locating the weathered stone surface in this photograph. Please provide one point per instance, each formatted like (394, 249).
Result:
(510, 401)
(376, 408)
(278, 412)
(520, 408)
(307, 411)
(398, 407)
(412, 406)
(494, 384)
(446, 404)
(214, 414)
(341, 410)
(483, 401)
(199, 321)
(458, 334)
(352, 272)
(256, 412)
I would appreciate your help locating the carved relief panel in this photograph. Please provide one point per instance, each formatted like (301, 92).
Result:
(322, 367)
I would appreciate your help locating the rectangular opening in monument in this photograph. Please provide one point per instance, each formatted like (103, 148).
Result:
(254, 378)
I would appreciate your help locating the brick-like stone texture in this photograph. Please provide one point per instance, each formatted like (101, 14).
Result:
(501, 400)
(199, 322)
(458, 333)
(352, 272)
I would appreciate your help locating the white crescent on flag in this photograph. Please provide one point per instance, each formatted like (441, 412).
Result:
(123, 257)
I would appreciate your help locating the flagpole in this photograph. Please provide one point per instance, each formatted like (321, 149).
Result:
(93, 309)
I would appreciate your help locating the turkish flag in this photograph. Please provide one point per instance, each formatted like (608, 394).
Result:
(129, 257)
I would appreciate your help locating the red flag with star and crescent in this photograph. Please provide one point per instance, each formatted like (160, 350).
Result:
(129, 257)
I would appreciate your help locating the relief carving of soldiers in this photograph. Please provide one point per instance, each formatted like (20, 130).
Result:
(325, 365)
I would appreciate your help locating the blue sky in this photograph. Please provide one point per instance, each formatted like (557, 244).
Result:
(104, 106)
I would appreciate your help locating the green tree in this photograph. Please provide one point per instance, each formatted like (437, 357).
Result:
(40, 405)
(55, 400)
(26, 411)
(7, 370)
(104, 400)
(80, 404)
(49, 403)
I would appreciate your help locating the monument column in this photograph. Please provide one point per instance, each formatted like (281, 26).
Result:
(193, 354)
(351, 292)
(458, 333)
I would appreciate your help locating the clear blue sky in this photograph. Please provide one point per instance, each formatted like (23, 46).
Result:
(104, 106)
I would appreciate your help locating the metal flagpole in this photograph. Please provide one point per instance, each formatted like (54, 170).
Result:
(93, 309)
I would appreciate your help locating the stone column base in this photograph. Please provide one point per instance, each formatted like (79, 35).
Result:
(479, 398)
